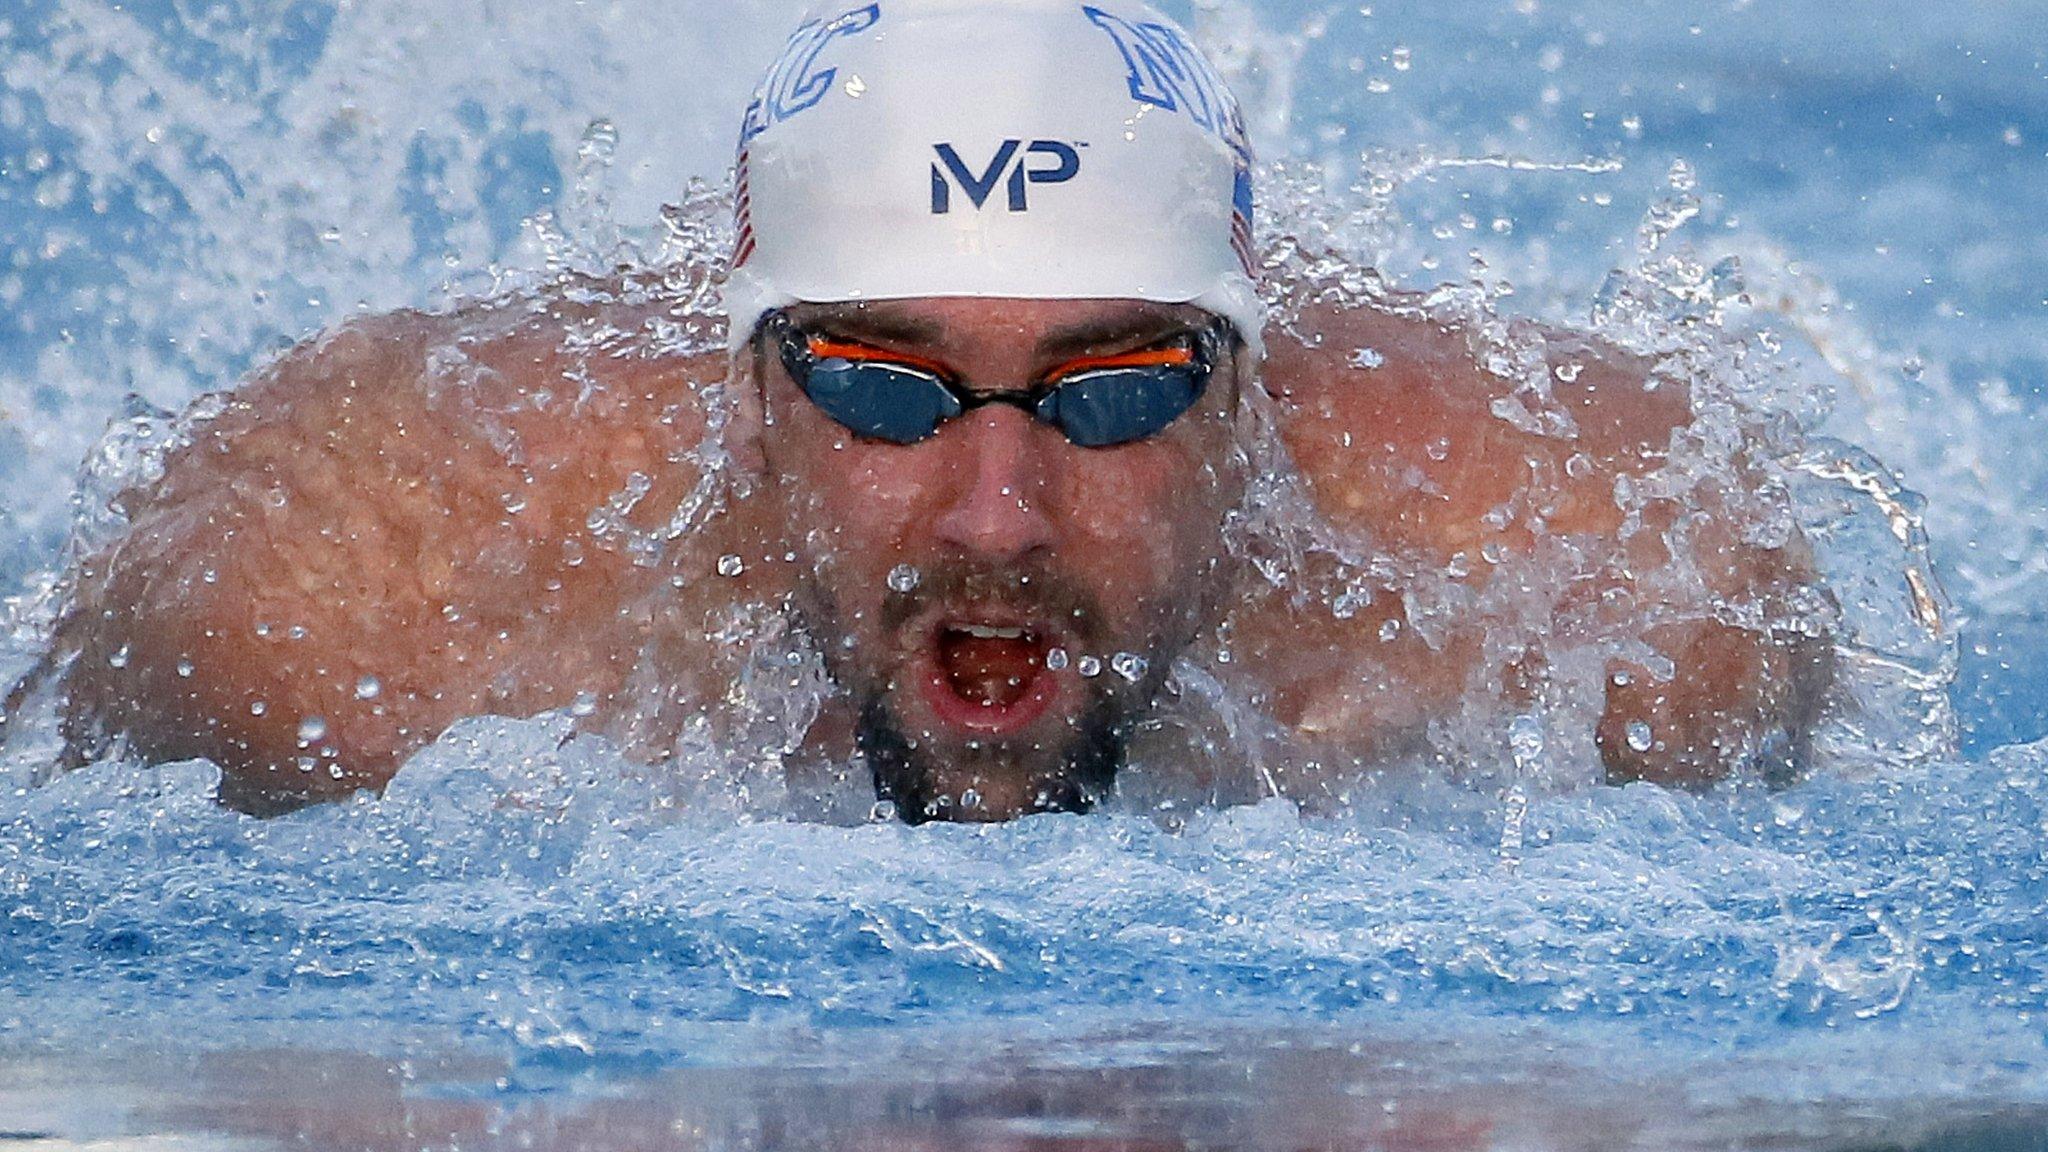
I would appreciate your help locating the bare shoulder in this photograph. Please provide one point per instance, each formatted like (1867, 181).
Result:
(1398, 422)
(410, 519)
(1448, 458)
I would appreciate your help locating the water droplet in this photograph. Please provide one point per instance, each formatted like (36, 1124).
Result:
(1367, 358)
(1390, 631)
(1640, 736)
(1378, 87)
(731, 565)
(312, 730)
(584, 705)
(1056, 659)
(55, 191)
(1403, 58)
(119, 659)
(258, 708)
(1130, 666)
(1514, 826)
(1089, 667)
(1569, 373)
(368, 688)
(2013, 137)
(1526, 743)
(185, 669)
(904, 578)
(600, 140)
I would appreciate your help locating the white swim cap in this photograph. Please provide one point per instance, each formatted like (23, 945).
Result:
(1038, 149)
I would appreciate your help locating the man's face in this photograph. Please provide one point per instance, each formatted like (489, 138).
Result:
(1000, 602)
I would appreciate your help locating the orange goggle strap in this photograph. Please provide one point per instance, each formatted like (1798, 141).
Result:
(825, 349)
(1155, 358)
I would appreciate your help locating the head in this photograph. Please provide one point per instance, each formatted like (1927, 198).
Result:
(990, 202)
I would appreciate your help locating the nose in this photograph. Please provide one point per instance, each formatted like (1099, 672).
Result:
(997, 511)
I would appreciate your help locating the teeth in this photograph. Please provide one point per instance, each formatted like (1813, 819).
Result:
(984, 632)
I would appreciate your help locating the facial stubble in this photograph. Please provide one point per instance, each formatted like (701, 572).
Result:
(931, 779)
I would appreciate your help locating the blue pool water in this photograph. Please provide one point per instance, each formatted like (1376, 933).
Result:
(529, 942)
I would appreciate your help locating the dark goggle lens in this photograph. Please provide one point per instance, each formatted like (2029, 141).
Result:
(1121, 405)
(879, 401)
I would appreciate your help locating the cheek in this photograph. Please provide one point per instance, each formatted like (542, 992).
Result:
(1141, 517)
(853, 508)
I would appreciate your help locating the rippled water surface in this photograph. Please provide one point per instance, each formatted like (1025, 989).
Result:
(528, 942)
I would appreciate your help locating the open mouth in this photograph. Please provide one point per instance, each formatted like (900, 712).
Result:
(989, 677)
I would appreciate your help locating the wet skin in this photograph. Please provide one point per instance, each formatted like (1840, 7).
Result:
(391, 528)
(1094, 553)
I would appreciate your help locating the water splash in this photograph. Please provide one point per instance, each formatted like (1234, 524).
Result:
(526, 888)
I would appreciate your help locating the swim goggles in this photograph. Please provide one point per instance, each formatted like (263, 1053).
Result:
(1096, 401)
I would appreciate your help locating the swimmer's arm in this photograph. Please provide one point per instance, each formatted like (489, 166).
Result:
(387, 530)
(1720, 696)
(1399, 436)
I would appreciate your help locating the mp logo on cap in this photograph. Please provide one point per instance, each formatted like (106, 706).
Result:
(1014, 160)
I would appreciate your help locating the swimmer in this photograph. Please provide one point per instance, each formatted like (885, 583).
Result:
(998, 387)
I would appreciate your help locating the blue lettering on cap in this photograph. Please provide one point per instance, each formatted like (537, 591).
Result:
(796, 82)
(1012, 157)
(1166, 71)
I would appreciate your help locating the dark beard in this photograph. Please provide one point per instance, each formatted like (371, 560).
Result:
(925, 783)
(906, 777)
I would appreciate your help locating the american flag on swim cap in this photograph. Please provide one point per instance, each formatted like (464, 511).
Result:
(742, 214)
(1241, 208)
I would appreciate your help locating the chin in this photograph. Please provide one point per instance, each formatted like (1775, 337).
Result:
(941, 774)
(972, 706)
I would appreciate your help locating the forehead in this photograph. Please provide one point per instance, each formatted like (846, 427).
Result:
(977, 325)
